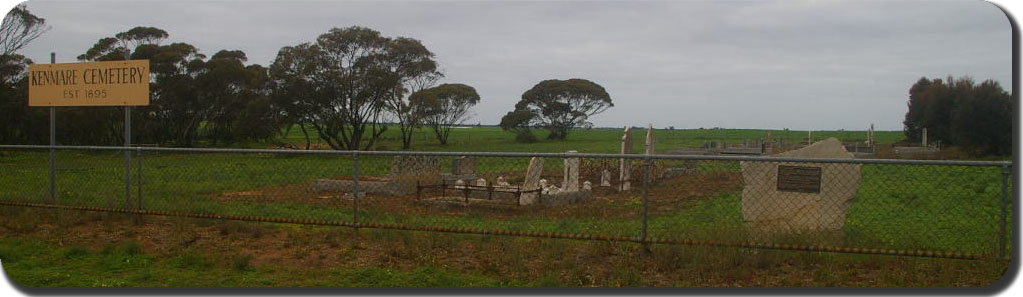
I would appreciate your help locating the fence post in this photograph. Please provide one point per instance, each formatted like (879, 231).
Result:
(53, 155)
(53, 142)
(1005, 201)
(127, 157)
(355, 195)
(646, 196)
(138, 177)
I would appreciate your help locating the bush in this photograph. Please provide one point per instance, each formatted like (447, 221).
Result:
(525, 137)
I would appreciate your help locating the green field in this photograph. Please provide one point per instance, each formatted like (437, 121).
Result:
(939, 208)
(598, 140)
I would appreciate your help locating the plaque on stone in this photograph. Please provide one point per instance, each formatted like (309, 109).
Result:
(799, 179)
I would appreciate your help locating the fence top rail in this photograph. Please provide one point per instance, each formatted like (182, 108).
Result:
(519, 154)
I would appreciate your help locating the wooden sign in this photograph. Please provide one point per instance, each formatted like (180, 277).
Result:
(799, 179)
(111, 83)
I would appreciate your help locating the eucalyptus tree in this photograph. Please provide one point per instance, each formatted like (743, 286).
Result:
(19, 28)
(520, 122)
(444, 106)
(347, 80)
(414, 70)
(293, 88)
(18, 122)
(560, 105)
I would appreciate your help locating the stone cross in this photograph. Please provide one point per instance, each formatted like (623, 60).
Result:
(570, 183)
(532, 181)
(625, 170)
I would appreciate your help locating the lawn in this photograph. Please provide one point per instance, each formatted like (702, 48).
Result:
(942, 208)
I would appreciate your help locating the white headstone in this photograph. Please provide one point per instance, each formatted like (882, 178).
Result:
(625, 170)
(532, 181)
(571, 177)
(649, 143)
(925, 137)
(605, 178)
(481, 182)
(587, 186)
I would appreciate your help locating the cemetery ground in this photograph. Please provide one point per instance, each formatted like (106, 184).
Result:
(44, 247)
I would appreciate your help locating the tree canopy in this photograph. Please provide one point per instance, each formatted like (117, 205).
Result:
(444, 106)
(348, 79)
(560, 105)
(962, 113)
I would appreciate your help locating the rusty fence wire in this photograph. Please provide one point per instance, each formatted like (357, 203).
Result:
(954, 209)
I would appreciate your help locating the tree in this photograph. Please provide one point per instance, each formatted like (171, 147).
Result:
(445, 106)
(959, 112)
(560, 105)
(349, 75)
(519, 122)
(18, 122)
(292, 88)
(19, 28)
(414, 69)
(982, 120)
(192, 99)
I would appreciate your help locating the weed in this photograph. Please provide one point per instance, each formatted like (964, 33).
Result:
(241, 262)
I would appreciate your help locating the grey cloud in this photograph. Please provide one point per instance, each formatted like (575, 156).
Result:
(688, 64)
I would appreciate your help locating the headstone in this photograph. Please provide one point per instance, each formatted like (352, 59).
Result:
(406, 171)
(870, 136)
(649, 143)
(463, 166)
(587, 186)
(796, 197)
(532, 181)
(414, 166)
(924, 143)
(481, 182)
(625, 168)
(570, 180)
(605, 178)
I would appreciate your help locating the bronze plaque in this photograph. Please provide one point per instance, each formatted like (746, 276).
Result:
(799, 179)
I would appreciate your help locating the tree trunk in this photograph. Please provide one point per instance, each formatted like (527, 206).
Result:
(306, 133)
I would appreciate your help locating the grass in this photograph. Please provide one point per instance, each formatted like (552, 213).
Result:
(596, 140)
(948, 208)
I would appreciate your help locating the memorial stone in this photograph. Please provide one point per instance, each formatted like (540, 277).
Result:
(798, 197)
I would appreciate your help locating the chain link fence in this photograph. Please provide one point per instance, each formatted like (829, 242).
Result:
(955, 209)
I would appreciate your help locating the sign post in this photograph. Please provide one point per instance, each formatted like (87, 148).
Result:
(53, 142)
(111, 83)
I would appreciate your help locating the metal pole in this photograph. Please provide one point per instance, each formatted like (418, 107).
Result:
(138, 177)
(1005, 202)
(53, 142)
(355, 194)
(646, 196)
(127, 157)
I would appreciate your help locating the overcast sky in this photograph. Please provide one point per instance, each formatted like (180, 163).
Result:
(818, 65)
